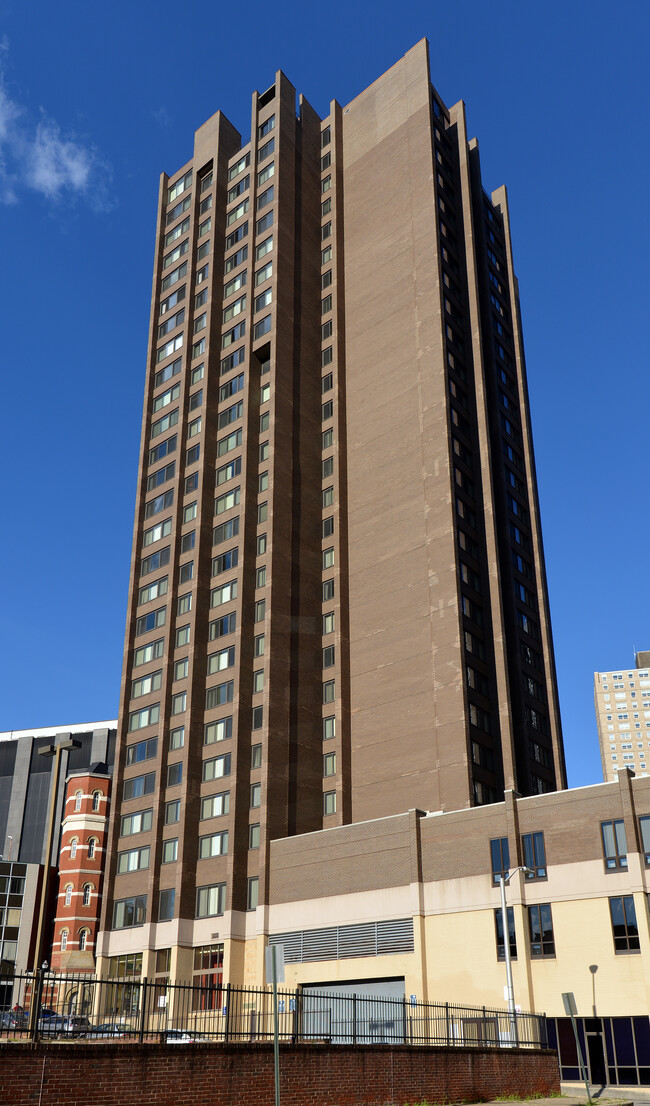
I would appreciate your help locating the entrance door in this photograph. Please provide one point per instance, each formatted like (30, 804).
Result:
(595, 1051)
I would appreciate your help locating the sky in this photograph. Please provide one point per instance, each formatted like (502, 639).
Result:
(97, 99)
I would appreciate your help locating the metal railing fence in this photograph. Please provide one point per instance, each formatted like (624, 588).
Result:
(71, 1006)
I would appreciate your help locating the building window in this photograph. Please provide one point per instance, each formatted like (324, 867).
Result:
(252, 895)
(213, 806)
(129, 912)
(614, 845)
(73, 848)
(329, 727)
(223, 659)
(134, 860)
(216, 844)
(217, 731)
(172, 812)
(68, 894)
(166, 905)
(328, 623)
(97, 796)
(256, 756)
(139, 822)
(170, 850)
(329, 802)
(498, 922)
(78, 796)
(174, 774)
(534, 854)
(540, 926)
(254, 836)
(217, 696)
(500, 855)
(624, 927)
(64, 940)
(258, 680)
(145, 685)
(329, 764)
(148, 716)
(86, 895)
(644, 826)
(216, 768)
(210, 901)
(328, 656)
(83, 937)
(138, 785)
(255, 795)
(266, 127)
(179, 702)
(92, 842)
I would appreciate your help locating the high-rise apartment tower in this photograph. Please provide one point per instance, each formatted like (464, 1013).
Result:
(338, 604)
(622, 702)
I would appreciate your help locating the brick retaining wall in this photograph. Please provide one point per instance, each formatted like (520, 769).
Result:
(242, 1075)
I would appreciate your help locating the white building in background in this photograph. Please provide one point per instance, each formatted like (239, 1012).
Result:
(622, 700)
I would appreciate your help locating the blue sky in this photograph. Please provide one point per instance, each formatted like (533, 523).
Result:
(96, 100)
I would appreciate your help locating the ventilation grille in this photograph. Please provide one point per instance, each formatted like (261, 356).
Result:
(346, 942)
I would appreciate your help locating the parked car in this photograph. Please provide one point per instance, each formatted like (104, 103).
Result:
(110, 1029)
(52, 1025)
(183, 1036)
(77, 1025)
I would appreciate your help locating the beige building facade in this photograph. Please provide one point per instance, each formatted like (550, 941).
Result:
(622, 702)
(427, 883)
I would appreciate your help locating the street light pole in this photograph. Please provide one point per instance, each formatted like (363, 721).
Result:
(50, 751)
(506, 947)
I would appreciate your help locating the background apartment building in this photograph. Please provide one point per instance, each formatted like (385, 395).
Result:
(622, 701)
(33, 800)
(338, 605)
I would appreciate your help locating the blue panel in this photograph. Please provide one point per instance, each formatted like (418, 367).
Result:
(642, 1038)
(609, 1040)
(551, 1029)
(627, 1077)
(624, 1042)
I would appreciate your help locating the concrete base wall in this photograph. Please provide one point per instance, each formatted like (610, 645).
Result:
(242, 1075)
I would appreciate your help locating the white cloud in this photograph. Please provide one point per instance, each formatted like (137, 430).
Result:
(55, 165)
(38, 156)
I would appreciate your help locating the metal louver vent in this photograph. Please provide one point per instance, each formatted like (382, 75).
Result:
(346, 942)
(395, 936)
(320, 944)
(358, 940)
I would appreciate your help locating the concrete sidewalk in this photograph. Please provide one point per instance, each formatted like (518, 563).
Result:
(575, 1092)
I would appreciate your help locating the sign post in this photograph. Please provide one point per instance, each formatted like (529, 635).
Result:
(571, 1009)
(274, 962)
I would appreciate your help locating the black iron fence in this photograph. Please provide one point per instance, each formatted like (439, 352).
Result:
(71, 1006)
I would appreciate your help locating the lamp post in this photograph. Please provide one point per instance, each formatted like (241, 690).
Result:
(50, 751)
(506, 946)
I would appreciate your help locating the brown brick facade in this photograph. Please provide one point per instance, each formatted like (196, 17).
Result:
(232, 1075)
